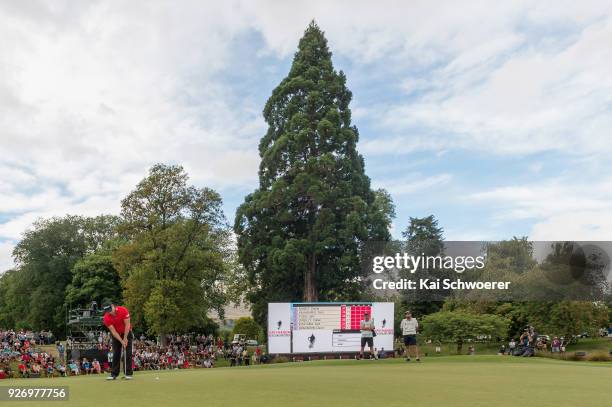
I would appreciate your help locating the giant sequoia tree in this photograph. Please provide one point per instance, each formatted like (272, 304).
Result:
(300, 234)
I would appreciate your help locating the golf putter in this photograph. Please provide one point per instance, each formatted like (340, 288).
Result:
(125, 362)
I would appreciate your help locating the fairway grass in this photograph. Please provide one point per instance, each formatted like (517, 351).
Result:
(441, 381)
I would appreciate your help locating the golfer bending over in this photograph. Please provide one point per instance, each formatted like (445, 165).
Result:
(117, 320)
(409, 327)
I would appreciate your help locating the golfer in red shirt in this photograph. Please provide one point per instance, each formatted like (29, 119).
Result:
(117, 320)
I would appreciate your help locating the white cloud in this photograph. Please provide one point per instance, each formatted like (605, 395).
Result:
(515, 93)
(92, 94)
(413, 183)
(6, 252)
(561, 210)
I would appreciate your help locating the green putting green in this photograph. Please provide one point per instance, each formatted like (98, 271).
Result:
(437, 381)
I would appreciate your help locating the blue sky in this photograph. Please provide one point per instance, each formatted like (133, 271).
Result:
(495, 119)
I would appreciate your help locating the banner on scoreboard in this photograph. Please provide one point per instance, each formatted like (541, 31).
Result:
(325, 327)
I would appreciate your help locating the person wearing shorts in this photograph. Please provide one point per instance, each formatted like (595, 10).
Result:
(367, 334)
(409, 328)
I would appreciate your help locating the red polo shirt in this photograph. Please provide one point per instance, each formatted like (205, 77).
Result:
(117, 320)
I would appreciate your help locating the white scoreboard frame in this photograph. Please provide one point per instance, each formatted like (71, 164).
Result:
(283, 339)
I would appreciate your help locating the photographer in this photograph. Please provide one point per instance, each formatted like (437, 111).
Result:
(527, 341)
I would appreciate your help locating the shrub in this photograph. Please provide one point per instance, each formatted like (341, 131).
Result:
(599, 356)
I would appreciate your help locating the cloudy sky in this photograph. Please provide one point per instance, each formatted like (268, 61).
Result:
(497, 119)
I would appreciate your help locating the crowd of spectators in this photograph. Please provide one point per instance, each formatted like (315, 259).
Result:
(529, 342)
(22, 356)
(181, 352)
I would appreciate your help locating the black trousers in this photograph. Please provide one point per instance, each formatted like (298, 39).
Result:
(118, 357)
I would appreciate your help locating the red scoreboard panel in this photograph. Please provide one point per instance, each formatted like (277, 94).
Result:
(333, 316)
(351, 315)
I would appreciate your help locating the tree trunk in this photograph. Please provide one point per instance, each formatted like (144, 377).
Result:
(163, 339)
(459, 346)
(310, 288)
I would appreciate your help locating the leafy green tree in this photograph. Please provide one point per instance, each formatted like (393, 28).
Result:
(301, 231)
(570, 318)
(14, 291)
(515, 255)
(94, 278)
(45, 257)
(460, 326)
(173, 267)
(247, 326)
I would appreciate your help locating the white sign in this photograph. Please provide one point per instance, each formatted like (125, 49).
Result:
(326, 327)
(279, 328)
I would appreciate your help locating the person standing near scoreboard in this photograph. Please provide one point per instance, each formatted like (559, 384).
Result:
(409, 328)
(367, 333)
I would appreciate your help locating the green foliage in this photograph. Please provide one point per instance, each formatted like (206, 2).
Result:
(94, 279)
(301, 232)
(461, 326)
(33, 293)
(172, 267)
(14, 289)
(568, 318)
(515, 255)
(248, 327)
(424, 236)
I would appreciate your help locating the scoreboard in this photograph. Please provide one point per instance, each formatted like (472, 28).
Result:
(326, 327)
(329, 316)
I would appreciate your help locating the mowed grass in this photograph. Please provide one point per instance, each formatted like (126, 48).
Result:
(441, 381)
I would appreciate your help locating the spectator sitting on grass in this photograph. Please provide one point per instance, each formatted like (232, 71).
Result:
(74, 368)
(36, 370)
(23, 369)
(96, 366)
(86, 366)
(61, 369)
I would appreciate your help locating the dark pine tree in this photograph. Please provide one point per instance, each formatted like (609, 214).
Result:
(301, 233)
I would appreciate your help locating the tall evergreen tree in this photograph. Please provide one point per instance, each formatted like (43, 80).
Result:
(301, 232)
(424, 237)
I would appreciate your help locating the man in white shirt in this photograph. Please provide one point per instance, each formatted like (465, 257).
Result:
(409, 328)
(367, 333)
